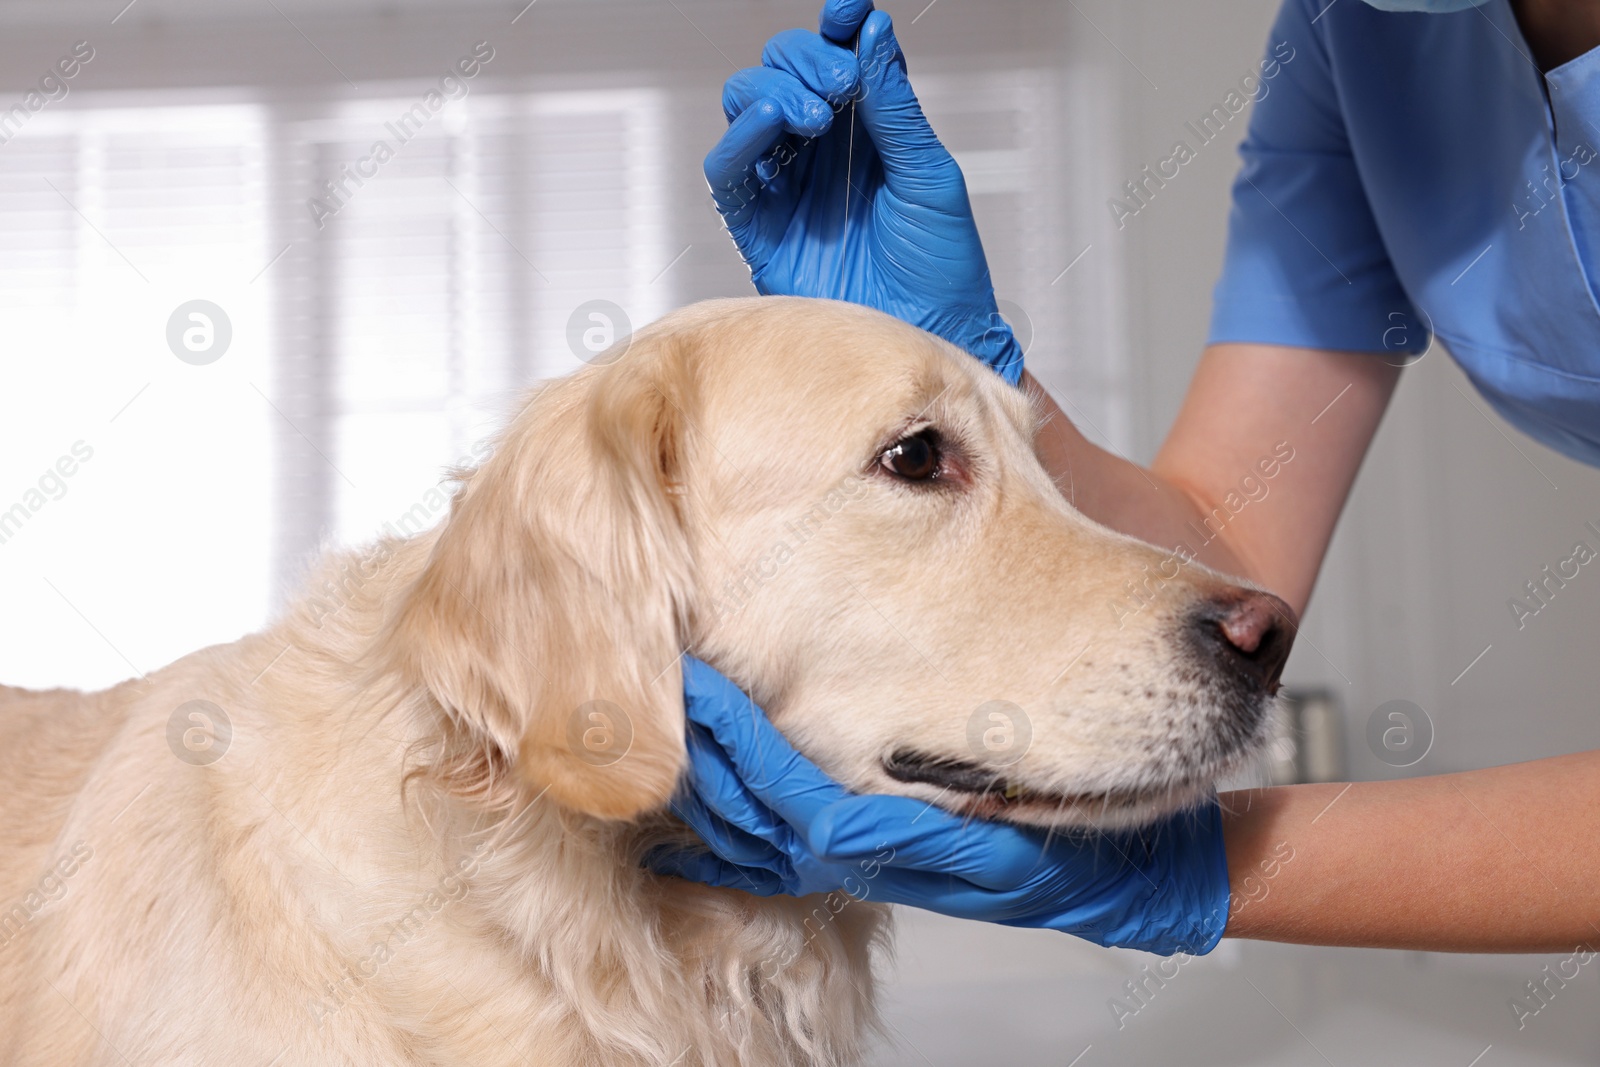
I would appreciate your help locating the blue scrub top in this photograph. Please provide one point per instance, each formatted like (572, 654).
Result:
(1414, 172)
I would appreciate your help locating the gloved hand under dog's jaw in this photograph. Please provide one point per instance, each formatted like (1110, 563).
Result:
(775, 823)
(876, 215)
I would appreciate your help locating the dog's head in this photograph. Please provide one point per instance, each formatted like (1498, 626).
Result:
(847, 516)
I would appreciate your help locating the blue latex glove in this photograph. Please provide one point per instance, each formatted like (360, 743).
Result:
(776, 824)
(907, 243)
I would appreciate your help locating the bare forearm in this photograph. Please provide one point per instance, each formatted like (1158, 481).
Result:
(1257, 466)
(1499, 860)
(1504, 859)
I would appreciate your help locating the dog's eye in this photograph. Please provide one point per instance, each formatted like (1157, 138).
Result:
(915, 458)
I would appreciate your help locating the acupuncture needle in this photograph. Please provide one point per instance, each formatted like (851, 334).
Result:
(849, 165)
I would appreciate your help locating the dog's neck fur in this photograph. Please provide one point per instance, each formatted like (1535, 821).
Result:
(536, 927)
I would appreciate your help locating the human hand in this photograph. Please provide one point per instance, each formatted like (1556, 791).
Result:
(776, 824)
(872, 209)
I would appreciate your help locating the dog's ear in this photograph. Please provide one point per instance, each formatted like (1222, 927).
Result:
(546, 621)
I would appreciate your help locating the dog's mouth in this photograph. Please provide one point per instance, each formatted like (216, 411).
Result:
(987, 793)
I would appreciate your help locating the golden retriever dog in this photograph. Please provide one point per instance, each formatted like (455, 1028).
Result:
(404, 824)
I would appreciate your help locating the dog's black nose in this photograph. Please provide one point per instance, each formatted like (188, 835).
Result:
(1248, 633)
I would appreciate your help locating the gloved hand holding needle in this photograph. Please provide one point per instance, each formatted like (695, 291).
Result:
(879, 218)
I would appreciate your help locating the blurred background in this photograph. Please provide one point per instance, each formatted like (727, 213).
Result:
(369, 317)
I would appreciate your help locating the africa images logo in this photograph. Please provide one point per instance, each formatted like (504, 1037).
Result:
(1139, 191)
(452, 85)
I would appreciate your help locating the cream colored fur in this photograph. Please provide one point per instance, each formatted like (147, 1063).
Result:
(402, 859)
